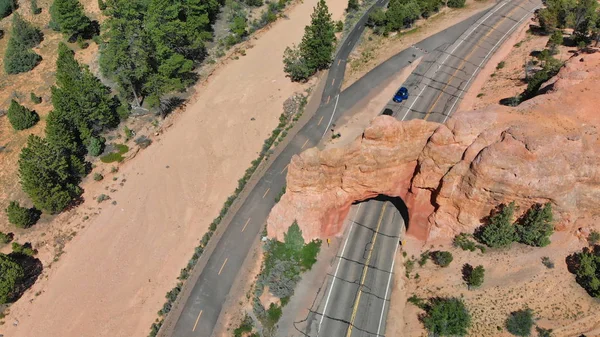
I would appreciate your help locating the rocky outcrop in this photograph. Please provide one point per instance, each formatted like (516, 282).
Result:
(450, 176)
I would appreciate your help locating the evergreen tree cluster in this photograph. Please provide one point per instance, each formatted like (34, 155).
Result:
(7, 7)
(51, 168)
(21, 217)
(403, 13)
(19, 57)
(11, 274)
(534, 229)
(153, 45)
(315, 51)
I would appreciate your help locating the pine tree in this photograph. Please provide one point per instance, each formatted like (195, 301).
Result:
(293, 239)
(500, 231)
(537, 226)
(19, 57)
(81, 102)
(27, 34)
(20, 117)
(7, 7)
(318, 42)
(352, 5)
(11, 274)
(125, 57)
(69, 18)
(49, 175)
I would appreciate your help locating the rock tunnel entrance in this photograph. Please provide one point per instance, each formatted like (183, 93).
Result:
(385, 209)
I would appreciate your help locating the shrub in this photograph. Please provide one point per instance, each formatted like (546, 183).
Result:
(377, 18)
(143, 142)
(21, 217)
(442, 258)
(245, 327)
(35, 99)
(5, 238)
(500, 65)
(417, 301)
(520, 322)
(593, 238)
(20, 117)
(101, 5)
(543, 332)
(500, 232)
(7, 7)
(463, 242)
(456, 3)
(24, 249)
(547, 262)
(447, 317)
(586, 267)
(115, 156)
(102, 197)
(128, 133)
(339, 26)
(295, 65)
(11, 274)
(536, 227)
(98, 176)
(255, 3)
(96, 146)
(424, 257)
(473, 276)
(35, 10)
(352, 5)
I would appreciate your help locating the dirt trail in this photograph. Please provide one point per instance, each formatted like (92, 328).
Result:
(115, 273)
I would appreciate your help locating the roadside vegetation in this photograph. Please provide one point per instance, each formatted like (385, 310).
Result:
(443, 316)
(283, 264)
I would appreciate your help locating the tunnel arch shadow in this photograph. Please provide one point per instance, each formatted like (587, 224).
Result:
(398, 203)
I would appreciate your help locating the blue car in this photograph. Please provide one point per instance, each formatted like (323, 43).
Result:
(401, 95)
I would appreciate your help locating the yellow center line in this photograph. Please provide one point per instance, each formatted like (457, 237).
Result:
(364, 275)
(197, 319)
(285, 168)
(328, 98)
(246, 224)
(304, 144)
(224, 262)
(267, 191)
(333, 81)
(339, 61)
(464, 60)
(320, 120)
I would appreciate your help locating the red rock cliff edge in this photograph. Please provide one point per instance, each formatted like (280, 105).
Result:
(451, 175)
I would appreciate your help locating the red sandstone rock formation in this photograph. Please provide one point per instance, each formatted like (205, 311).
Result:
(452, 175)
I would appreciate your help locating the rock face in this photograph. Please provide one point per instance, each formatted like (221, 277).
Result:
(450, 176)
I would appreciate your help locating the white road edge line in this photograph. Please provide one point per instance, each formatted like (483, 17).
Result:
(453, 50)
(387, 288)
(332, 114)
(485, 59)
(336, 269)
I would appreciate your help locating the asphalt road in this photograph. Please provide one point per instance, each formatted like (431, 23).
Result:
(203, 307)
(356, 302)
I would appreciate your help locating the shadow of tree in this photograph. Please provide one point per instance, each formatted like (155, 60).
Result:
(32, 268)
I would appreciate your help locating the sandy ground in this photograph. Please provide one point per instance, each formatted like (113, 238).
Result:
(375, 49)
(115, 272)
(514, 279)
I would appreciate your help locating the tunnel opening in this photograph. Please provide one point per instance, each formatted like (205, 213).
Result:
(397, 202)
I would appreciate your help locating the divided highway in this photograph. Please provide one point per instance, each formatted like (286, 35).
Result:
(358, 292)
(360, 310)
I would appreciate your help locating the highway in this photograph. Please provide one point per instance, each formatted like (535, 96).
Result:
(202, 308)
(358, 290)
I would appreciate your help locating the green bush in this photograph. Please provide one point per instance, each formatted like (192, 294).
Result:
(543, 332)
(500, 65)
(295, 65)
(7, 7)
(245, 327)
(339, 26)
(255, 3)
(102, 197)
(520, 322)
(128, 133)
(473, 276)
(593, 238)
(35, 99)
(101, 5)
(5, 238)
(536, 226)
(447, 317)
(11, 275)
(115, 156)
(586, 267)
(20, 117)
(96, 146)
(24, 249)
(500, 232)
(456, 3)
(352, 5)
(98, 176)
(21, 217)
(35, 10)
(442, 258)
